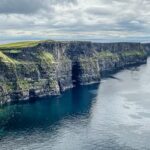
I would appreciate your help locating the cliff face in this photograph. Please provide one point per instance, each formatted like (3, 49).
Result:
(146, 47)
(50, 67)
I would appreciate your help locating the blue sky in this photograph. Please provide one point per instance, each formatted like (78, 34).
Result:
(94, 20)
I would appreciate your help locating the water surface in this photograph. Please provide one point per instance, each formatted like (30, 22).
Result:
(114, 115)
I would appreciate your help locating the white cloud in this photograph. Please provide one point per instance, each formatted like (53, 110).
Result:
(103, 20)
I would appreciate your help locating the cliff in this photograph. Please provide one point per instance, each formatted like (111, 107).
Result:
(35, 69)
(146, 47)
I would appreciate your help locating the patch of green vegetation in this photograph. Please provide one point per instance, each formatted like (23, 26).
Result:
(19, 45)
(46, 57)
(53, 83)
(107, 54)
(133, 53)
(13, 51)
(4, 58)
(23, 84)
(88, 59)
(8, 86)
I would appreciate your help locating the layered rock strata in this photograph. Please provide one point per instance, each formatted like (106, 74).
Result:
(51, 67)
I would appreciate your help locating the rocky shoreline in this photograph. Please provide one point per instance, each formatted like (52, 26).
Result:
(51, 67)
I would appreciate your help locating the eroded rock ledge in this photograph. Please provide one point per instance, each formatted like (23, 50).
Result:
(51, 67)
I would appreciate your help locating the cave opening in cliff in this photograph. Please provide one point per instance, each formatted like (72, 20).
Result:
(75, 73)
(32, 95)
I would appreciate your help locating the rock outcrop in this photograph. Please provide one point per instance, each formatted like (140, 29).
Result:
(51, 67)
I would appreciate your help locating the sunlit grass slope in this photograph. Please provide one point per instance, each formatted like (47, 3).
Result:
(19, 45)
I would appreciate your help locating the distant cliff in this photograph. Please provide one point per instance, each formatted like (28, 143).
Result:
(35, 69)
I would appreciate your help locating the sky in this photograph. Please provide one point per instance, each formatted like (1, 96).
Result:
(92, 20)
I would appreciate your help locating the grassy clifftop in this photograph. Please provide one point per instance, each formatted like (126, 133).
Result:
(19, 45)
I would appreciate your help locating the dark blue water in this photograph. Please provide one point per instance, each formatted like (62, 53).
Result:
(114, 115)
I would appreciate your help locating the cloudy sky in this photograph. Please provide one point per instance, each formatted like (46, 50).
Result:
(95, 20)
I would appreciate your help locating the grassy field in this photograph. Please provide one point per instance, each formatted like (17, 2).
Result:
(19, 45)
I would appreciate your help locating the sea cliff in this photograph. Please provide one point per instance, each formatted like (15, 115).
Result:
(35, 69)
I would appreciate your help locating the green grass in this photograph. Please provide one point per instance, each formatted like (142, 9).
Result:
(46, 57)
(133, 53)
(6, 59)
(12, 51)
(107, 54)
(8, 86)
(19, 45)
(23, 84)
